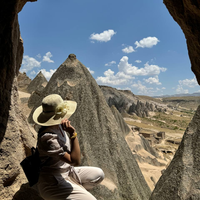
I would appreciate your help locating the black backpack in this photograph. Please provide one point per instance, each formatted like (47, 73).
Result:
(32, 165)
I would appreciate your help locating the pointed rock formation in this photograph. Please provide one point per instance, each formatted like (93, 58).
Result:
(23, 81)
(101, 140)
(38, 83)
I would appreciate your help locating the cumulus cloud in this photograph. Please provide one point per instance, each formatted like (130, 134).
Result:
(153, 80)
(188, 82)
(28, 63)
(110, 63)
(128, 49)
(148, 70)
(91, 72)
(105, 36)
(180, 90)
(111, 79)
(48, 74)
(47, 57)
(142, 89)
(148, 42)
(138, 61)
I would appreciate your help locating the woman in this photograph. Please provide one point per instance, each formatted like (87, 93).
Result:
(59, 151)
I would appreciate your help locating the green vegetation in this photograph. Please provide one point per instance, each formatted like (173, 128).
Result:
(176, 121)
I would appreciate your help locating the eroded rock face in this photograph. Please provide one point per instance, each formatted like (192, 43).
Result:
(120, 121)
(187, 14)
(23, 81)
(15, 136)
(38, 83)
(181, 179)
(126, 102)
(101, 140)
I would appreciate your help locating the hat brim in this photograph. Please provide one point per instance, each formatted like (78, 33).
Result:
(50, 119)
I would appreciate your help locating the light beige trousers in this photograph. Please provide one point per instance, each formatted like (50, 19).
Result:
(59, 187)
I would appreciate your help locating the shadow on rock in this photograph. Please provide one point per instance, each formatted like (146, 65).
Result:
(26, 192)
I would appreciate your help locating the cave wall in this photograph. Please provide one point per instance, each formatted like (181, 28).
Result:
(15, 136)
(181, 180)
(187, 14)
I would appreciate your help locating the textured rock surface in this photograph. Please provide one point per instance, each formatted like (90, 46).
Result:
(101, 140)
(23, 81)
(181, 179)
(15, 136)
(120, 121)
(126, 102)
(187, 14)
(38, 83)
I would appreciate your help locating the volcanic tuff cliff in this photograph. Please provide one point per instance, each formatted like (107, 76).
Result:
(15, 136)
(101, 139)
(181, 179)
(126, 102)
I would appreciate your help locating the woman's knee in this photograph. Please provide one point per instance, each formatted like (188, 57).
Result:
(100, 176)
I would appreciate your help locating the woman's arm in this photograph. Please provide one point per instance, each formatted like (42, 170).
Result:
(74, 158)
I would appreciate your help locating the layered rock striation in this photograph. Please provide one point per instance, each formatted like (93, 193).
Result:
(126, 102)
(101, 139)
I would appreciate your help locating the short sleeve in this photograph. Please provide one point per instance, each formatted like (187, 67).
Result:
(50, 146)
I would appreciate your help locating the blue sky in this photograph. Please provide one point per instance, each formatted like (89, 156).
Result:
(127, 44)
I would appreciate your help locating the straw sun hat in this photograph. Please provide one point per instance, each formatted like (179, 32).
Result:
(53, 110)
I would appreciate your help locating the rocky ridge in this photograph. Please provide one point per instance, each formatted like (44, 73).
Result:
(126, 102)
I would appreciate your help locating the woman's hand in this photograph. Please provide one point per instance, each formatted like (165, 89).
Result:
(67, 126)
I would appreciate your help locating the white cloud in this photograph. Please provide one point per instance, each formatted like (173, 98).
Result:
(48, 74)
(148, 70)
(188, 82)
(128, 49)
(33, 73)
(163, 88)
(91, 72)
(138, 61)
(142, 89)
(153, 80)
(111, 79)
(28, 63)
(105, 36)
(110, 63)
(47, 57)
(180, 90)
(148, 42)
